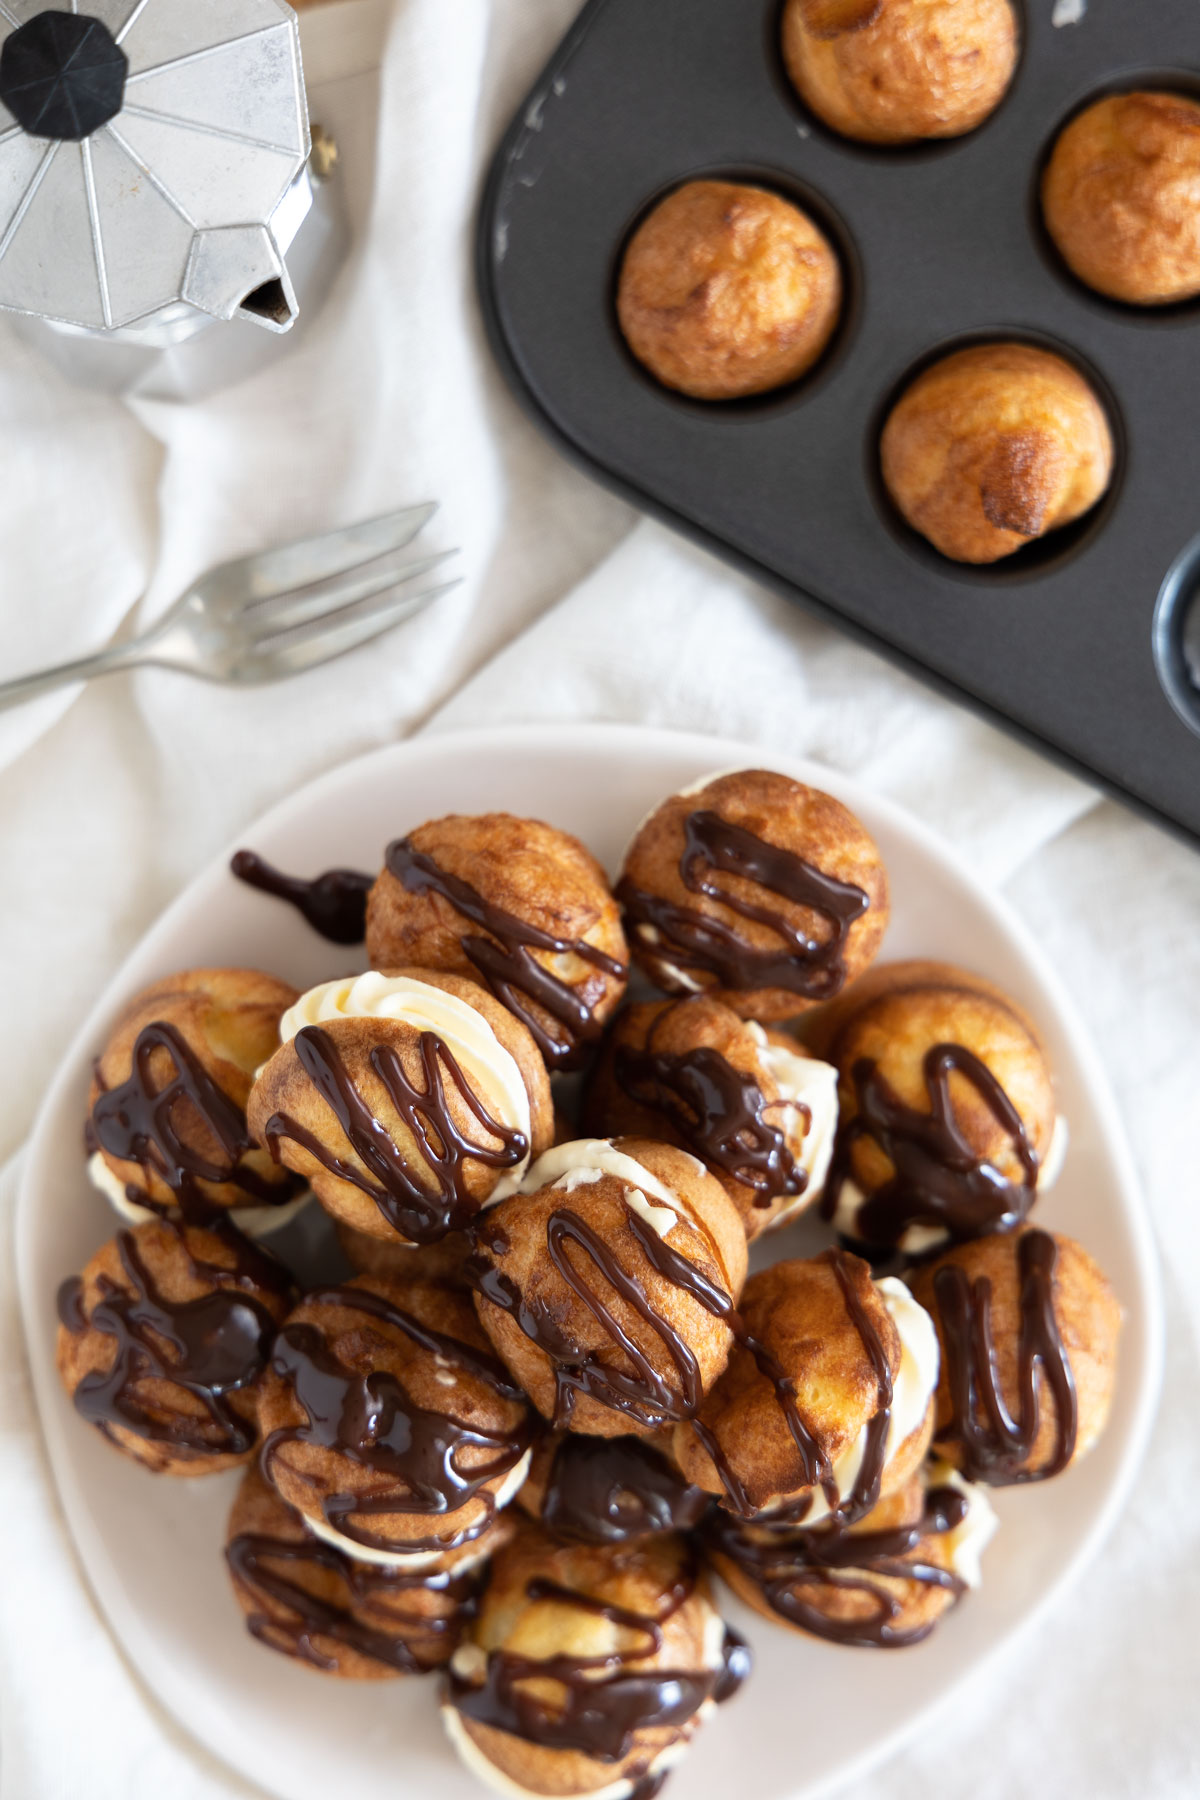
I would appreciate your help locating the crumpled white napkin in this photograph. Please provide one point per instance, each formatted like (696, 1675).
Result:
(110, 800)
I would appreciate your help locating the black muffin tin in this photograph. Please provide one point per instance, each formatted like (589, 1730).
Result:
(1078, 642)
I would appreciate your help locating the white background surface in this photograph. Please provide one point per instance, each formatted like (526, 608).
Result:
(110, 801)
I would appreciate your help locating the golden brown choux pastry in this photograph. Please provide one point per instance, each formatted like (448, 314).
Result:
(408, 1101)
(167, 1108)
(388, 1422)
(606, 1284)
(756, 1109)
(948, 1123)
(555, 1690)
(609, 1490)
(308, 1600)
(763, 893)
(727, 290)
(163, 1341)
(1121, 197)
(896, 71)
(994, 446)
(827, 1404)
(444, 1260)
(881, 1583)
(512, 903)
(1028, 1328)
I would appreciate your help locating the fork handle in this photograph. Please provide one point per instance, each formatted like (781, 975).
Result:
(104, 662)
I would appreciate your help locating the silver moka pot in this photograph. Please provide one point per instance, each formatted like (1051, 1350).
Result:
(153, 169)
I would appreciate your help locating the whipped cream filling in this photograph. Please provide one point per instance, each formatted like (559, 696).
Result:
(803, 1081)
(968, 1541)
(917, 1239)
(491, 1069)
(912, 1390)
(588, 1160)
(413, 1559)
(255, 1221)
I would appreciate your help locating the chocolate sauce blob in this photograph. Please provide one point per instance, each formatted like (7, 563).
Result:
(215, 1346)
(372, 1421)
(398, 1187)
(809, 967)
(504, 961)
(719, 1112)
(993, 1444)
(617, 1490)
(939, 1180)
(334, 904)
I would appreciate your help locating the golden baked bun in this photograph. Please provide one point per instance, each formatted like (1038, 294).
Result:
(767, 895)
(947, 1108)
(881, 1583)
(167, 1108)
(756, 1109)
(163, 1341)
(826, 1407)
(309, 1601)
(512, 903)
(612, 1490)
(896, 71)
(993, 447)
(727, 290)
(444, 1260)
(387, 1421)
(1052, 1322)
(601, 1623)
(606, 1284)
(408, 1101)
(1121, 197)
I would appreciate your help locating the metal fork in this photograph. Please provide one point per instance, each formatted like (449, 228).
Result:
(274, 614)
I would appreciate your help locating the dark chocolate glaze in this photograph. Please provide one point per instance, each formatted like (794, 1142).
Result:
(939, 1180)
(617, 1490)
(504, 959)
(335, 903)
(371, 1421)
(812, 968)
(718, 1112)
(598, 1714)
(137, 1122)
(215, 1346)
(994, 1446)
(395, 1185)
(795, 1571)
(254, 1560)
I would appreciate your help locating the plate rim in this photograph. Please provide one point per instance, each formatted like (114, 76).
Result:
(725, 753)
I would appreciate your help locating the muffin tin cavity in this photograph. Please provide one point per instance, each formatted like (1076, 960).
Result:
(1177, 635)
(826, 219)
(1042, 556)
(941, 244)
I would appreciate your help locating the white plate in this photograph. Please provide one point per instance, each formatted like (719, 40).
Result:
(151, 1547)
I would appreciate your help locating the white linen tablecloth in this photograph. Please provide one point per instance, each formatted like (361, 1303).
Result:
(110, 799)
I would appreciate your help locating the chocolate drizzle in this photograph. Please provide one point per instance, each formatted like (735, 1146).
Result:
(251, 1555)
(617, 1490)
(334, 904)
(372, 1421)
(597, 1713)
(811, 967)
(939, 1180)
(137, 1122)
(644, 1394)
(505, 961)
(994, 1445)
(390, 1180)
(794, 1572)
(718, 1112)
(211, 1347)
